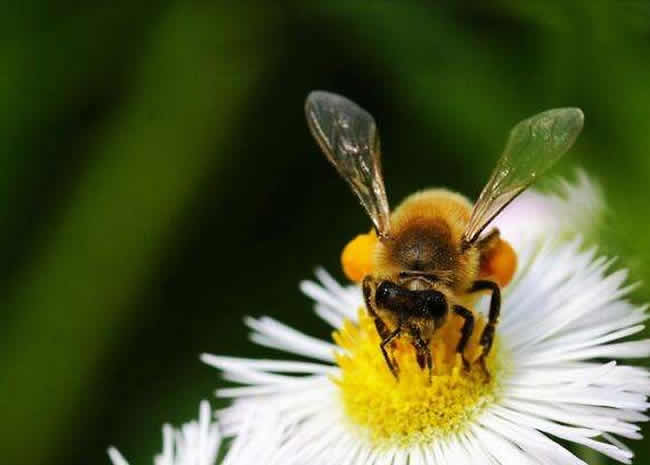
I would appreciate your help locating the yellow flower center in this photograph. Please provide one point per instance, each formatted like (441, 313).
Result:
(414, 408)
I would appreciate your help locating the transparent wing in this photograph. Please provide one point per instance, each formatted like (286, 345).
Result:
(348, 136)
(533, 147)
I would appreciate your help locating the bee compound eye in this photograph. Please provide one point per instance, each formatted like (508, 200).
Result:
(383, 292)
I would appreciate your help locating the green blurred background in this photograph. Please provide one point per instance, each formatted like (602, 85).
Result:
(158, 181)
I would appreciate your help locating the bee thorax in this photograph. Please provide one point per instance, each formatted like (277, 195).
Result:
(425, 245)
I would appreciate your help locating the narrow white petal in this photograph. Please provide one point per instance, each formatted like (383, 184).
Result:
(631, 349)
(278, 366)
(332, 317)
(584, 419)
(350, 296)
(195, 443)
(578, 435)
(567, 347)
(320, 295)
(504, 451)
(116, 457)
(274, 334)
(531, 441)
(267, 389)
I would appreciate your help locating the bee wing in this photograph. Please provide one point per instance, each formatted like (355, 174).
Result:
(533, 147)
(348, 136)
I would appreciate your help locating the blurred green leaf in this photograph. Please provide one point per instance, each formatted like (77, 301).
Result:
(146, 166)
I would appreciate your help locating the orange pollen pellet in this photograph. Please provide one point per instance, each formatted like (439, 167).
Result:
(357, 256)
(500, 264)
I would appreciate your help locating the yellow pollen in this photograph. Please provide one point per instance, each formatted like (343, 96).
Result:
(412, 409)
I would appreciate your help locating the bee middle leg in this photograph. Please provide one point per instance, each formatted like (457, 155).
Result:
(465, 332)
(487, 336)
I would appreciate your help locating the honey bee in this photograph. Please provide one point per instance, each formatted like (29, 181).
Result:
(430, 256)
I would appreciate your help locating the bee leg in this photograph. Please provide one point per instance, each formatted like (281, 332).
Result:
(487, 336)
(429, 359)
(366, 285)
(486, 341)
(421, 357)
(422, 350)
(384, 333)
(382, 329)
(392, 364)
(386, 338)
(465, 331)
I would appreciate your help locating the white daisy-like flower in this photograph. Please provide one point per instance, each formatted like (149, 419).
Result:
(195, 443)
(572, 207)
(554, 375)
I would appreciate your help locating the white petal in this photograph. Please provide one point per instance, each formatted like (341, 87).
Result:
(272, 333)
(279, 366)
(116, 457)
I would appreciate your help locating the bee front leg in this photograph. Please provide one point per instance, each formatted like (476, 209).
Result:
(422, 350)
(369, 286)
(487, 336)
(392, 364)
(465, 332)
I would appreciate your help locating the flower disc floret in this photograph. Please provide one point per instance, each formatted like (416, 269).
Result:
(413, 408)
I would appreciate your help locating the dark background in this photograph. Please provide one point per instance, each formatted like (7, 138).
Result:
(158, 181)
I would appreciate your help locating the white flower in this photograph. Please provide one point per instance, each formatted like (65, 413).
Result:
(571, 208)
(196, 443)
(565, 320)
